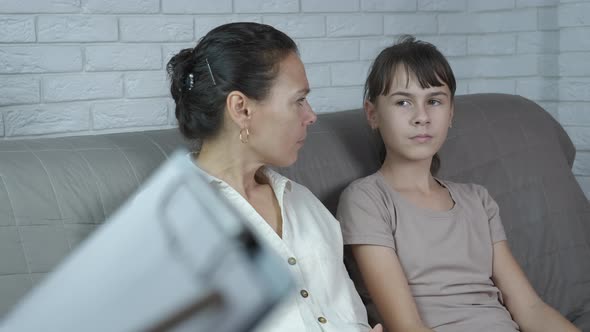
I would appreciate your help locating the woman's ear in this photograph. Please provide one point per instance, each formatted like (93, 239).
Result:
(371, 113)
(237, 108)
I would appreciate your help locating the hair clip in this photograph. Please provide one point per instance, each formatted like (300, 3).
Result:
(190, 81)
(210, 72)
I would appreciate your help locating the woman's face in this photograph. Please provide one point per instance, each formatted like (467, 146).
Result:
(278, 126)
(412, 121)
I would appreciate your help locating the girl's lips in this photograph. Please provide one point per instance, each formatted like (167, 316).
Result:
(421, 138)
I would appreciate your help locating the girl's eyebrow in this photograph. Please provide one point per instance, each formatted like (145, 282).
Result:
(407, 94)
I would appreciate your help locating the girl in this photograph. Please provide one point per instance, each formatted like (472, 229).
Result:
(241, 92)
(431, 254)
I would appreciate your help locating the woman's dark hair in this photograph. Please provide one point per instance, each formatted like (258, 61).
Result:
(420, 58)
(241, 57)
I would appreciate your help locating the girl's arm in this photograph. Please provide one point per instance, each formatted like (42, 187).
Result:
(388, 287)
(523, 303)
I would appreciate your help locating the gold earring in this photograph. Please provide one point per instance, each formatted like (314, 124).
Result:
(247, 135)
(451, 125)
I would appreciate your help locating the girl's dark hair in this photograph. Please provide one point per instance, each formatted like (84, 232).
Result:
(424, 60)
(241, 57)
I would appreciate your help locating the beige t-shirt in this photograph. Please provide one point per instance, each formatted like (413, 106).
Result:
(446, 256)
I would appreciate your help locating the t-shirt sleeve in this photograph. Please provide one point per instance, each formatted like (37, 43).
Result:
(364, 217)
(493, 211)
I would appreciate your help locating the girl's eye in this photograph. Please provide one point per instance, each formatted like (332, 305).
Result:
(434, 102)
(402, 103)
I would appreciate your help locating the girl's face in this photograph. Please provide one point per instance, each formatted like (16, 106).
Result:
(413, 121)
(278, 126)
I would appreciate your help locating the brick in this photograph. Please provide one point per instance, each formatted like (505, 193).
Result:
(547, 19)
(120, 7)
(410, 24)
(536, 3)
(580, 136)
(86, 86)
(334, 99)
(574, 15)
(266, 6)
(582, 164)
(40, 59)
(77, 28)
(497, 66)
(354, 25)
(19, 90)
(509, 21)
(17, 29)
(492, 85)
(46, 119)
(318, 75)
(329, 6)
(349, 73)
(204, 24)
(574, 89)
(584, 182)
(462, 87)
(487, 5)
(442, 5)
(156, 29)
(39, 6)
(196, 7)
(538, 42)
(388, 5)
(574, 113)
(491, 44)
(127, 114)
(124, 57)
(574, 39)
(371, 47)
(538, 88)
(548, 65)
(147, 84)
(448, 45)
(314, 51)
(574, 64)
(298, 26)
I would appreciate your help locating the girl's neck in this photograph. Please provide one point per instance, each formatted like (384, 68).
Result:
(406, 175)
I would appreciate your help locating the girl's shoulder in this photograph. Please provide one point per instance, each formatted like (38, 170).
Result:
(370, 185)
(466, 190)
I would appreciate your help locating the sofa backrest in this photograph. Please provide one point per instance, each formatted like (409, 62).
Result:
(56, 191)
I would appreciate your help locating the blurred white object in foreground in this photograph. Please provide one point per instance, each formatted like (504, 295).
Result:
(173, 257)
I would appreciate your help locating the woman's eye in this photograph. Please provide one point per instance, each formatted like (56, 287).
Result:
(300, 101)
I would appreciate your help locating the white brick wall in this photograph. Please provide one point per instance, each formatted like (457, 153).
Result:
(85, 66)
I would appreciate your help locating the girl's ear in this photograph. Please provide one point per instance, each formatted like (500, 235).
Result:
(371, 113)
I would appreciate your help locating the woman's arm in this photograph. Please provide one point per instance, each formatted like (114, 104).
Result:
(388, 287)
(527, 309)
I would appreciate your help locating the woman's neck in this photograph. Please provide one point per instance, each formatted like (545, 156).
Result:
(229, 162)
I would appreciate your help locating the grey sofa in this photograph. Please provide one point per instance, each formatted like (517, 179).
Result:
(56, 191)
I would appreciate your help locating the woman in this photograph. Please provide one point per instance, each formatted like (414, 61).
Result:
(242, 93)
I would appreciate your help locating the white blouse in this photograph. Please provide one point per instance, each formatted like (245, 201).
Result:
(325, 298)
